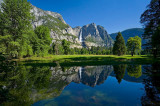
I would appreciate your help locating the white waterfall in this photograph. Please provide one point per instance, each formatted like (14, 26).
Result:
(80, 36)
(80, 72)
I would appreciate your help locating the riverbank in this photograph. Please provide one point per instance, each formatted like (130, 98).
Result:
(91, 59)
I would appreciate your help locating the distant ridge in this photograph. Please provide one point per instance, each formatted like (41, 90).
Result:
(129, 33)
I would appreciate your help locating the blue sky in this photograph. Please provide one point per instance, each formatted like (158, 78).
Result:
(114, 15)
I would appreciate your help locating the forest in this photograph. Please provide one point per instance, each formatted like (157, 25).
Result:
(18, 38)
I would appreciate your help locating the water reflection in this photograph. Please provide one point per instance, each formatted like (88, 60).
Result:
(152, 85)
(89, 75)
(134, 70)
(119, 70)
(20, 84)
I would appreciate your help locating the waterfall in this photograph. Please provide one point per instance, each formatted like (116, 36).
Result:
(80, 36)
(80, 72)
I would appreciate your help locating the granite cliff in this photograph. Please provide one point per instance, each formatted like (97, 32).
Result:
(86, 36)
(90, 35)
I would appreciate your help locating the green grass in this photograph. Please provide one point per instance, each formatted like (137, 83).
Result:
(83, 60)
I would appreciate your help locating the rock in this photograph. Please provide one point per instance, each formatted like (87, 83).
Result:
(94, 35)
(91, 34)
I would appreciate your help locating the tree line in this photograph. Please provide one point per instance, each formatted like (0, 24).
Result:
(63, 48)
(19, 39)
(151, 22)
(17, 36)
(132, 47)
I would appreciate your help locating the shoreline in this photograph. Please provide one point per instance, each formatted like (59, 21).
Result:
(68, 60)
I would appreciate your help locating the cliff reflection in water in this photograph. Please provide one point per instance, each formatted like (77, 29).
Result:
(29, 84)
(89, 75)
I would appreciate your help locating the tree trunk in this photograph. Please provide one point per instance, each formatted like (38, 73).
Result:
(155, 53)
(132, 53)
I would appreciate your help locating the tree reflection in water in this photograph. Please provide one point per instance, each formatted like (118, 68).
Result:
(119, 70)
(134, 70)
(152, 85)
(22, 84)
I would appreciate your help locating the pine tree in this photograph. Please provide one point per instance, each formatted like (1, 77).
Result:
(66, 47)
(119, 71)
(156, 42)
(42, 41)
(151, 21)
(16, 17)
(15, 22)
(119, 47)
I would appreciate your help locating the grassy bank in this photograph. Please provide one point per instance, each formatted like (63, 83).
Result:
(59, 57)
(71, 60)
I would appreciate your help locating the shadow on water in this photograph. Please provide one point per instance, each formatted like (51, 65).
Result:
(26, 84)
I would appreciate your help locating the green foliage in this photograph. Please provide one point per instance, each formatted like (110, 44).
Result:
(24, 78)
(15, 25)
(151, 21)
(66, 47)
(119, 71)
(42, 41)
(84, 51)
(134, 45)
(4, 43)
(43, 33)
(99, 50)
(119, 47)
(14, 49)
(15, 17)
(73, 36)
(57, 49)
(156, 42)
(77, 51)
(53, 24)
(134, 70)
(72, 52)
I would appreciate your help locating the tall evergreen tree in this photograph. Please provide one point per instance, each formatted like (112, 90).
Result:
(15, 22)
(119, 47)
(151, 20)
(66, 46)
(156, 42)
(16, 17)
(55, 48)
(42, 41)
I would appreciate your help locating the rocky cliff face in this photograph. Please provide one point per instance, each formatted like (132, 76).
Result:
(92, 35)
(41, 16)
(1, 1)
(97, 35)
(60, 30)
(89, 35)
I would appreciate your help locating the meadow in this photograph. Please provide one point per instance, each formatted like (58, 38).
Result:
(83, 60)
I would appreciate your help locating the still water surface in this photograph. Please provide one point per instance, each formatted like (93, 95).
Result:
(112, 85)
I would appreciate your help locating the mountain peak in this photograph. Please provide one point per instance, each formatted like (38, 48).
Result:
(92, 24)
